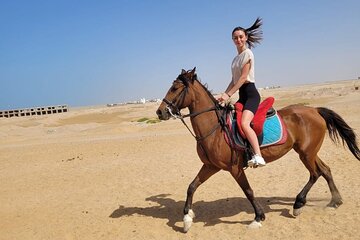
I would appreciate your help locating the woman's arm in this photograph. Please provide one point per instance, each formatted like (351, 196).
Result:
(243, 78)
(231, 85)
(232, 88)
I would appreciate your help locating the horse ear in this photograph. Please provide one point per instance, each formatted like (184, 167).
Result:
(193, 74)
(183, 71)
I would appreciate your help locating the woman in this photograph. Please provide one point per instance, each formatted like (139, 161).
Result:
(243, 80)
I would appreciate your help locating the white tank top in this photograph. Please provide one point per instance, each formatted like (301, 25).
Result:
(239, 61)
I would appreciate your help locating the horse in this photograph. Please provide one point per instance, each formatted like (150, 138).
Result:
(306, 127)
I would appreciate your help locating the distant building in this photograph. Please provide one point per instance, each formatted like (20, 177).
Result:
(141, 101)
(157, 100)
(36, 111)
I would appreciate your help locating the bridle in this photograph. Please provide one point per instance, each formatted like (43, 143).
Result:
(178, 115)
(220, 113)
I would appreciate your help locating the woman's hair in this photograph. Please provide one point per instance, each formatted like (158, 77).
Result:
(253, 33)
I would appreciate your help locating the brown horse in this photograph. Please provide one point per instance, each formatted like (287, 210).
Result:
(306, 127)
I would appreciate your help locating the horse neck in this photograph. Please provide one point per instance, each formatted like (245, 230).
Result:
(203, 122)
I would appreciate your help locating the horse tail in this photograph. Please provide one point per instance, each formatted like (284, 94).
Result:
(337, 126)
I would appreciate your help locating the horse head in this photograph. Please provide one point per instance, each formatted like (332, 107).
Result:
(179, 95)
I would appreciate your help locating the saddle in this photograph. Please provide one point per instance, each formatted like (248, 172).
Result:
(264, 110)
(267, 124)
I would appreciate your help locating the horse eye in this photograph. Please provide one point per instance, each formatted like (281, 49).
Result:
(173, 89)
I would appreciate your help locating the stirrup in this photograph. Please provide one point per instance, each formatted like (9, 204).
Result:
(254, 161)
(251, 163)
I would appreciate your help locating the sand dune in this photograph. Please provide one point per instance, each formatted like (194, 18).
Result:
(100, 173)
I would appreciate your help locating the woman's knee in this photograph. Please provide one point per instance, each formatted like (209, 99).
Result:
(246, 119)
(245, 125)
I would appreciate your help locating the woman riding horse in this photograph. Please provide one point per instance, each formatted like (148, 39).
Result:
(306, 128)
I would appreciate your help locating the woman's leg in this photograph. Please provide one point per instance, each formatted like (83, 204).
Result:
(246, 119)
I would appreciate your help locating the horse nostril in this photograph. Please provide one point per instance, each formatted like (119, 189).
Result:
(158, 112)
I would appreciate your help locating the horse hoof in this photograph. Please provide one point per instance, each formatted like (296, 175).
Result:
(188, 219)
(255, 225)
(297, 212)
(187, 222)
(335, 204)
(191, 213)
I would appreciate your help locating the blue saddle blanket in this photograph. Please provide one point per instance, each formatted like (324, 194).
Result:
(272, 131)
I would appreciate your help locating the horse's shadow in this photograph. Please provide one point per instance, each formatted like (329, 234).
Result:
(208, 212)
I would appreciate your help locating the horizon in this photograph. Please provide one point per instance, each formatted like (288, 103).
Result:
(88, 53)
(151, 100)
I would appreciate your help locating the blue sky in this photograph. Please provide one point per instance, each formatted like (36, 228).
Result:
(97, 52)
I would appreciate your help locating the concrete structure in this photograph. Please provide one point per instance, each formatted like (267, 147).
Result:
(33, 111)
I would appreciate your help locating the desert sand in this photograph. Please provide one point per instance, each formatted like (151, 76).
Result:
(102, 173)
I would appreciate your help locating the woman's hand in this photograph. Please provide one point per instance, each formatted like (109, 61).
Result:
(222, 98)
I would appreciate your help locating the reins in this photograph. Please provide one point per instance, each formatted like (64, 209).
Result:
(178, 115)
(221, 120)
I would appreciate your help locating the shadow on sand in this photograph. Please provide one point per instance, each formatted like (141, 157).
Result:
(207, 212)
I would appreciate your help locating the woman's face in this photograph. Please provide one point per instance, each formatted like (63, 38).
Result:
(239, 39)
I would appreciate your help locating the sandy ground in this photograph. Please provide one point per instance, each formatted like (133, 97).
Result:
(98, 173)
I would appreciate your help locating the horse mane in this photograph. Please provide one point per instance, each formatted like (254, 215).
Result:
(183, 77)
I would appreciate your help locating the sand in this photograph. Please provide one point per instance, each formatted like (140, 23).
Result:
(98, 173)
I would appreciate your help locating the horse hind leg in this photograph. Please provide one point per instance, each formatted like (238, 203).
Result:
(204, 174)
(317, 168)
(308, 158)
(241, 179)
(336, 199)
(301, 197)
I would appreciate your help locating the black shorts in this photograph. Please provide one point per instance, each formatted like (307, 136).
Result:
(249, 97)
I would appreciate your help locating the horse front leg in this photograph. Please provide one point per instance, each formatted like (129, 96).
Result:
(240, 177)
(204, 174)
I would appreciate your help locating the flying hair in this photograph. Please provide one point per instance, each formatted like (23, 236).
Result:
(253, 33)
